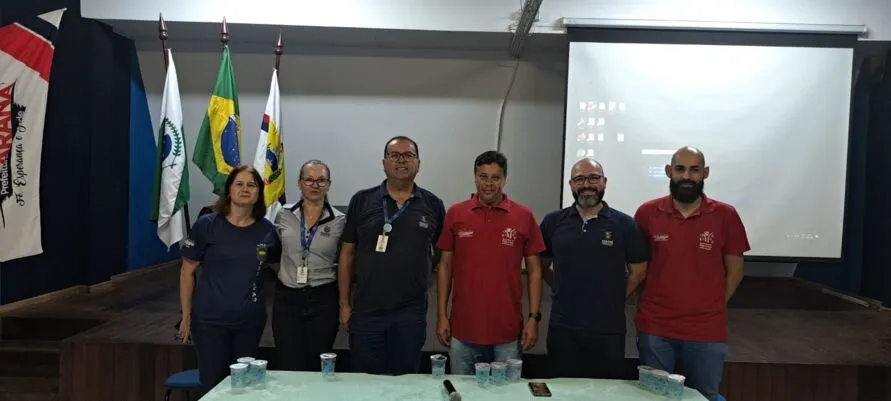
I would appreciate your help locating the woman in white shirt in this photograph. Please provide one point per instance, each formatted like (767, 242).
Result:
(305, 310)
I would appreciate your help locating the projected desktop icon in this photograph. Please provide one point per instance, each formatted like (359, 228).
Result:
(583, 106)
(592, 107)
(602, 106)
(612, 107)
(600, 137)
(581, 137)
(620, 137)
(590, 153)
(580, 154)
(601, 122)
(621, 107)
(581, 123)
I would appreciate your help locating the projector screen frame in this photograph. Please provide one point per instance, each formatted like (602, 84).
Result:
(744, 37)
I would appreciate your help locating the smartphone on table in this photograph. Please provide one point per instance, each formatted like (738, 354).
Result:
(539, 389)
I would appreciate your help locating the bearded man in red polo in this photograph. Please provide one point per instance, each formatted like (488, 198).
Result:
(696, 263)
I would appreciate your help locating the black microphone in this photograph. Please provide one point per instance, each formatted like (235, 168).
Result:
(453, 394)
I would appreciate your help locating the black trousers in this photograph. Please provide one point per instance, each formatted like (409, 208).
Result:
(582, 354)
(304, 323)
(217, 347)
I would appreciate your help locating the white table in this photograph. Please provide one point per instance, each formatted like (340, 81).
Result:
(295, 386)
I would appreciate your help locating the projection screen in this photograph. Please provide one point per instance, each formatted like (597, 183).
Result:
(771, 119)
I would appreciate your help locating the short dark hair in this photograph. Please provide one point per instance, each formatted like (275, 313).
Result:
(315, 162)
(491, 157)
(223, 205)
(403, 138)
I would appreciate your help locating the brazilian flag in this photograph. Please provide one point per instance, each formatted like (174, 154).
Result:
(218, 147)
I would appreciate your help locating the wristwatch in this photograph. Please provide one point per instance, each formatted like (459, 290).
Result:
(536, 316)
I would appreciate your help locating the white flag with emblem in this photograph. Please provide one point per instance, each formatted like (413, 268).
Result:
(269, 160)
(171, 171)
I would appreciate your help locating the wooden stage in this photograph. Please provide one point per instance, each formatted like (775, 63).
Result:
(115, 341)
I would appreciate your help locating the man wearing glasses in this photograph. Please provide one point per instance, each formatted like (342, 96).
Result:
(387, 260)
(599, 258)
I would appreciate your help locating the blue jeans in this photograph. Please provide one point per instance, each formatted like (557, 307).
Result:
(703, 362)
(463, 356)
(388, 342)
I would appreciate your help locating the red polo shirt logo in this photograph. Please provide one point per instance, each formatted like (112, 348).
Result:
(488, 245)
(684, 292)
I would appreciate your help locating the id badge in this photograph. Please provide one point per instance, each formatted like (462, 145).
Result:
(302, 274)
(261, 252)
(381, 243)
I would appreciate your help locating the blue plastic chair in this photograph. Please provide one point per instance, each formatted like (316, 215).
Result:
(186, 380)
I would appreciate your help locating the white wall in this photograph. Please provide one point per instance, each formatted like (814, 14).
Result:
(342, 109)
(492, 15)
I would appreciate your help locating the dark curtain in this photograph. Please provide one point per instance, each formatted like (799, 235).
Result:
(84, 164)
(865, 270)
(876, 263)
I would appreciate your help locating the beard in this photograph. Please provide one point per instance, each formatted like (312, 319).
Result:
(588, 200)
(684, 194)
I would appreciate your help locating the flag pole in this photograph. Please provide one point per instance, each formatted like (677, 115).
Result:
(279, 49)
(163, 36)
(224, 33)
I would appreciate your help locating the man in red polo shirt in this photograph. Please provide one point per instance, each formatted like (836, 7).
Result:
(696, 263)
(484, 241)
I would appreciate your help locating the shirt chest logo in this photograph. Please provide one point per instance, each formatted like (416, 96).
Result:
(509, 236)
(706, 240)
(607, 238)
(423, 223)
(660, 237)
(465, 233)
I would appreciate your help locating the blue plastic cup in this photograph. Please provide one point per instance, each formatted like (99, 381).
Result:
(660, 381)
(437, 365)
(239, 377)
(645, 377)
(674, 388)
(247, 361)
(258, 373)
(499, 373)
(482, 373)
(514, 370)
(329, 360)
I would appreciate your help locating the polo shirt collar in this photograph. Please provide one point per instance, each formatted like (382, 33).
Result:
(505, 204)
(707, 205)
(327, 210)
(605, 211)
(416, 190)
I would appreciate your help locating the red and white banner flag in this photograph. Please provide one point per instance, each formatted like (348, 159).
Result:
(26, 58)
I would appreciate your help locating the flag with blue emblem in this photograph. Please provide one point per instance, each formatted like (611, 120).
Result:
(218, 147)
(269, 159)
(171, 171)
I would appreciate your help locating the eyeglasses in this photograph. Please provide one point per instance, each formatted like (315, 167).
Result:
(396, 156)
(321, 182)
(580, 180)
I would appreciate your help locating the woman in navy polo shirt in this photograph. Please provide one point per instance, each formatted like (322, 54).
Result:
(306, 309)
(225, 315)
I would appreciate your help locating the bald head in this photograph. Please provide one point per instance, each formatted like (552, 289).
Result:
(686, 152)
(586, 165)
